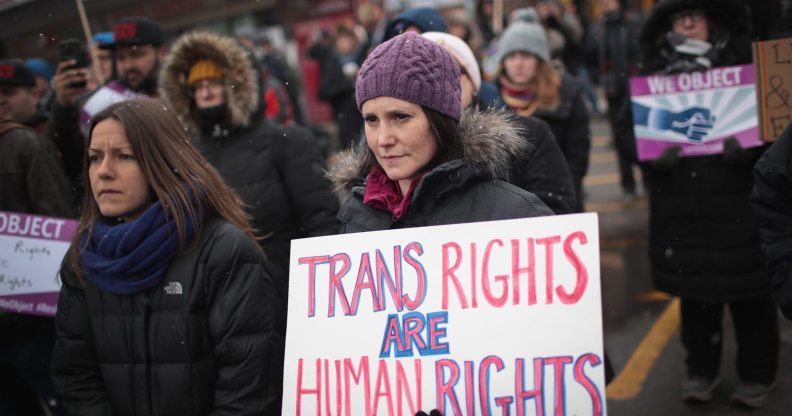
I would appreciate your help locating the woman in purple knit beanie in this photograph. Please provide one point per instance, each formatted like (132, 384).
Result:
(425, 162)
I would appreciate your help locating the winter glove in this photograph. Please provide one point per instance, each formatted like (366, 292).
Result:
(668, 160)
(734, 153)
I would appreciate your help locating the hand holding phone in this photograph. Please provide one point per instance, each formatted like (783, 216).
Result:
(71, 49)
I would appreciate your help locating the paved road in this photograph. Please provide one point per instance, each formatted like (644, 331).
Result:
(641, 325)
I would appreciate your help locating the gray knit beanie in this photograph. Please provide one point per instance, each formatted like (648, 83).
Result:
(524, 37)
(411, 68)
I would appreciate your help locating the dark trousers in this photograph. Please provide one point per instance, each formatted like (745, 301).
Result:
(756, 329)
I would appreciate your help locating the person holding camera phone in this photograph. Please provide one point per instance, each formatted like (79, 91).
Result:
(138, 46)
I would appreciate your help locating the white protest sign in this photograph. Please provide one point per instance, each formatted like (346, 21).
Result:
(31, 250)
(500, 317)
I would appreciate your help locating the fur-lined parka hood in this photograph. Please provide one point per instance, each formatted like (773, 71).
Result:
(732, 16)
(242, 85)
(490, 138)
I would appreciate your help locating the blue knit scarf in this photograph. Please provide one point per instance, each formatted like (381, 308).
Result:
(130, 257)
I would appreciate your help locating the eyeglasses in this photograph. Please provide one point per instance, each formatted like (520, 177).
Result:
(213, 85)
(695, 16)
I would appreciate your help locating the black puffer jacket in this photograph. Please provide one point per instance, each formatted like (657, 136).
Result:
(772, 203)
(703, 236)
(543, 170)
(277, 171)
(458, 191)
(204, 341)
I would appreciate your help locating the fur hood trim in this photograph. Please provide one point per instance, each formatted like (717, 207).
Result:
(730, 15)
(242, 87)
(491, 139)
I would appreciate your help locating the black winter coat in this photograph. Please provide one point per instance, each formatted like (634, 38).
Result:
(569, 123)
(772, 203)
(458, 191)
(204, 341)
(543, 170)
(703, 236)
(277, 171)
(31, 177)
(338, 90)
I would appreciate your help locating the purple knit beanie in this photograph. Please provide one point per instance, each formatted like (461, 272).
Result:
(411, 68)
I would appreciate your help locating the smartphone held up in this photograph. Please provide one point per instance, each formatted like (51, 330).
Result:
(71, 49)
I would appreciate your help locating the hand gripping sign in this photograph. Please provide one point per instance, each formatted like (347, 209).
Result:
(31, 250)
(696, 111)
(498, 317)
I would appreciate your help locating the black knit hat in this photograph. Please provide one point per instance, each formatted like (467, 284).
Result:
(14, 72)
(137, 30)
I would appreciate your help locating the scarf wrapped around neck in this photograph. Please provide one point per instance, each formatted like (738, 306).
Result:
(519, 98)
(131, 257)
(385, 194)
(690, 55)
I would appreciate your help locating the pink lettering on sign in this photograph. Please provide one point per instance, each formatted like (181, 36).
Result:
(452, 391)
(498, 288)
(392, 390)
(382, 282)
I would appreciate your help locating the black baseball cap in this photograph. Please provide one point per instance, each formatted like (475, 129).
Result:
(136, 30)
(14, 72)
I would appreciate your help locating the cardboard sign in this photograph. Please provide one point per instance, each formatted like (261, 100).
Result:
(499, 317)
(31, 250)
(773, 65)
(696, 111)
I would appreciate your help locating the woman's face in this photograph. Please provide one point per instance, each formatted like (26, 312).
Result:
(520, 67)
(399, 134)
(691, 23)
(117, 182)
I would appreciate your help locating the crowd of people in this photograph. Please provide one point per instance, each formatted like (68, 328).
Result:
(191, 166)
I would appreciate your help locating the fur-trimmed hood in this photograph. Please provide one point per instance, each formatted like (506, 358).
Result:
(490, 138)
(242, 83)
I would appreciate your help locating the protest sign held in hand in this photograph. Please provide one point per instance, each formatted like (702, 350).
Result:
(31, 250)
(467, 319)
(695, 111)
(772, 63)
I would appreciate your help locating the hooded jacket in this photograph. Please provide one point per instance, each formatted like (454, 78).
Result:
(277, 171)
(703, 236)
(730, 33)
(457, 191)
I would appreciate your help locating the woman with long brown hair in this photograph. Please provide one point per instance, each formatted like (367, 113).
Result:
(167, 306)
(531, 86)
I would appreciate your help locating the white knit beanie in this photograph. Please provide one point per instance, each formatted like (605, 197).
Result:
(461, 53)
(524, 37)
